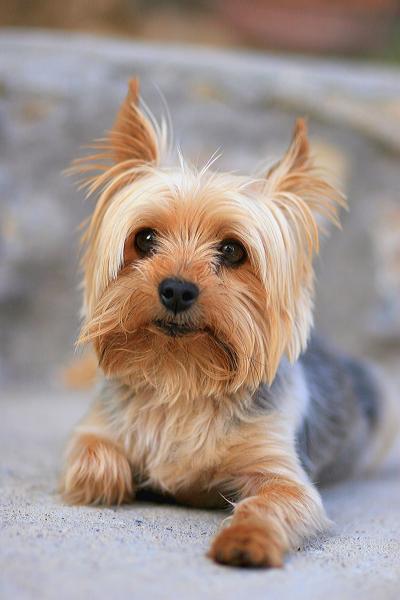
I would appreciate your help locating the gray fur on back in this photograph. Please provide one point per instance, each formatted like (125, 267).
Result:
(343, 410)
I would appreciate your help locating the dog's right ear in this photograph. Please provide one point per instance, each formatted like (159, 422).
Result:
(131, 148)
(133, 138)
(133, 142)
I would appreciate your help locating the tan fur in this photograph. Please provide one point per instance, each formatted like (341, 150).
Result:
(97, 472)
(248, 543)
(176, 413)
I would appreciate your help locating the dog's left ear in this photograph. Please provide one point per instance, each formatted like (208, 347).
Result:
(296, 159)
(295, 177)
(301, 202)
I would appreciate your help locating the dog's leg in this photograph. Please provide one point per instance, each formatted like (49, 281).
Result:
(279, 515)
(278, 507)
(97, 470)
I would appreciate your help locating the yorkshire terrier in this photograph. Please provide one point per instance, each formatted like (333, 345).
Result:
(198, 300)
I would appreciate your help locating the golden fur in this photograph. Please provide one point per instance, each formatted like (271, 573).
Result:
(99, 472)
(176, 414)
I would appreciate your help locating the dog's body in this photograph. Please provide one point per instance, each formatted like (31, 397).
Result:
(198, 300)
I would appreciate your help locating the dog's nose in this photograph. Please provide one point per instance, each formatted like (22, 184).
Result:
(177, 295)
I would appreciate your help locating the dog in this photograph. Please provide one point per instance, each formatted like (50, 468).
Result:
(198, 301)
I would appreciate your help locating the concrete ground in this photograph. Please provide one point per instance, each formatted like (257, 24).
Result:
(58, 91)
(48, 550)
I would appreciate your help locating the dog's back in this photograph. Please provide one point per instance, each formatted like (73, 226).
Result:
(350, 419)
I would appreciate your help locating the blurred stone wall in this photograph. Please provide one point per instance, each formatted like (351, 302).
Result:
(58, 92)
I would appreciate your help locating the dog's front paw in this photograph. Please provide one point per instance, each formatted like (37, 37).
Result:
(247, 544)
(97, 472)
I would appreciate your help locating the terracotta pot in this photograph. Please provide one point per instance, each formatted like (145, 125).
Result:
(313, 25)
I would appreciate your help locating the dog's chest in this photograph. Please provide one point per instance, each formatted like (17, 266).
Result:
(175, 446)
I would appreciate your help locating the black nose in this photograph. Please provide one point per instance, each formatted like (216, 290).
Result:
(177, 295)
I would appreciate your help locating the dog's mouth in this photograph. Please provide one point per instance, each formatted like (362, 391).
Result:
(173, 329)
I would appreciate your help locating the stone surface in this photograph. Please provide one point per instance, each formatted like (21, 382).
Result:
(155, 551)
(59, 91)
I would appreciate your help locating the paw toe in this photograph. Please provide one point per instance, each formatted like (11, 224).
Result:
(246, 545)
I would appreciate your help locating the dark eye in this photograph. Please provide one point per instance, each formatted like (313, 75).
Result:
(232, 252)
(145, 241)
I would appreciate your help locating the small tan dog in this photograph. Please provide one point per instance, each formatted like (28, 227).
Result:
(198, 302)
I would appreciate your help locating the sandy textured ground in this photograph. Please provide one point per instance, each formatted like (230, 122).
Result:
(48, 550)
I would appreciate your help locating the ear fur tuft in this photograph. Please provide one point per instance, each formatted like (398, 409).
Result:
(294, 186)
(132, 136)
(128, 152)
(295, 177)
(132, 144)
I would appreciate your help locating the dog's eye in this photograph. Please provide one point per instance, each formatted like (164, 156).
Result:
(232, 252)
(145, 241)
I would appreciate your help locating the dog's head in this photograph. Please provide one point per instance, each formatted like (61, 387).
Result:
(195, 281)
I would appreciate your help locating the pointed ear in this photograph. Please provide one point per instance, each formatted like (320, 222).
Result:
(123, 156)
(296, 159)
(299, 149)
(132, 136)
(297, 196)
(295, 177)
(133, 142)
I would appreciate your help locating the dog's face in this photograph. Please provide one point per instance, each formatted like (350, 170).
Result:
(198, 282)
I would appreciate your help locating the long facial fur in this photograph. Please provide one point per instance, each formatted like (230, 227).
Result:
(247, 317)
